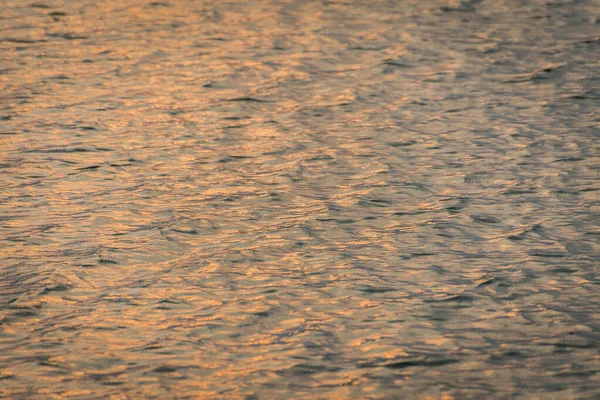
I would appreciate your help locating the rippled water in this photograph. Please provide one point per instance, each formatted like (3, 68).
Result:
(299, 199)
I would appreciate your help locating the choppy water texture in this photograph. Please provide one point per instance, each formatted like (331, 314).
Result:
(299, 199)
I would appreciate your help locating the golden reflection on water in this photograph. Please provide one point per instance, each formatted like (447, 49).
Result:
(282, 199)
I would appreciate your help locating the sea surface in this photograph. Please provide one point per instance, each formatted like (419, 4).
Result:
(287, 199)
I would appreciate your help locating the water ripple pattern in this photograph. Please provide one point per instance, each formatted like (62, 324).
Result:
(299, 199)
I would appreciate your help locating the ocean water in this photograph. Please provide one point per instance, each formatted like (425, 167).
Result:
(299, 199)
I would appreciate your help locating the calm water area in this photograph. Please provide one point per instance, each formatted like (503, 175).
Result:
(285, 199)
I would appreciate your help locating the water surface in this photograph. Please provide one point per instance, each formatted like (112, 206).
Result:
(299, 199)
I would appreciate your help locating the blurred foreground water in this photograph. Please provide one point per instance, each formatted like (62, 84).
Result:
(299, 199)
